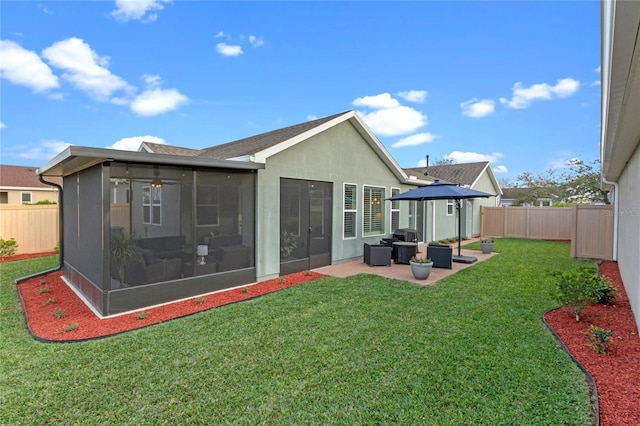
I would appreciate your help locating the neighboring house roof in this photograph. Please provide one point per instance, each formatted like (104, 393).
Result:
(514, 193)
(260, 147)
(23, 177)
(465, 174)
(525, 194)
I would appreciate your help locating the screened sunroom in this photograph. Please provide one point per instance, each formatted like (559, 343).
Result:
(142, 229)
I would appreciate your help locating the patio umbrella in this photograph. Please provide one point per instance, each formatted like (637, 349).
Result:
(444, 191)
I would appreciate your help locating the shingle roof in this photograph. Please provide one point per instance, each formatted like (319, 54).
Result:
(253, 144)
(464, 173)
(23, 177)
(514, 193)
(159, 148)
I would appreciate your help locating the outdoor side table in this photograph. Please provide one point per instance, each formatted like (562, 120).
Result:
(404, 251)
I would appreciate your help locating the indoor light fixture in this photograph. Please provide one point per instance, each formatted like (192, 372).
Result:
(156, 182)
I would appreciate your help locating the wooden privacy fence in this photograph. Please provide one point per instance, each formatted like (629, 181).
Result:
(589, 228)
(34, 227)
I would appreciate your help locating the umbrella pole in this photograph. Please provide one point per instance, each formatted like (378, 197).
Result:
(459, 227)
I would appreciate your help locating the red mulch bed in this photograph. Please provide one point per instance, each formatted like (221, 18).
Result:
(617, 374)
(43, 296)
(26, 256)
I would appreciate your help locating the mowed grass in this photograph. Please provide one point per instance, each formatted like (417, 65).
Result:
(360, 350)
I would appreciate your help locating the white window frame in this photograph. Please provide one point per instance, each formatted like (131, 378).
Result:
(364, 211)
(154, 219)
(451, 209)
(352, 211)
(22, 194)
(395, 209)
(212, 203)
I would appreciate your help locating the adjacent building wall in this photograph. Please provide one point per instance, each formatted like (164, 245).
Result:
(629, 231)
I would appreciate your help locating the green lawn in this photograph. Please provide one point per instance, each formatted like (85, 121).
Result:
(361, 350)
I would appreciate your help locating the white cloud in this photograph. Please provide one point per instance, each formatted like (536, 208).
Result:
(598, 70)
(522, 97)
(500, 169)
(84, 68)
(2, 125)
(229, 49)
(255, 41)
(139, 10)
(396, 121)
(472, 157)
(312, 117)
(383, 100)
(133, 143)
(417, 96)
(220, 34)
(389, 118)
(475, 108)
(596, 83)
(413, 140)
(25, 68)
(157, 101)
(47, 150)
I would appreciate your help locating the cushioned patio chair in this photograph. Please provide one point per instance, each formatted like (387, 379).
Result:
(377, 255)
(442, 256)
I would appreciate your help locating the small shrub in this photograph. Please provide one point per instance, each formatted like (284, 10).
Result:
(70, 327)
(43, 281)
(200, 300)
(602, 291)
(51, 300)
(245, 289)
(58, 313)
(598, 338)
(141, 315)
(282, 280)
(56, 249)
(44, 290)
(307, 273)
(8, 247)
(576, 288)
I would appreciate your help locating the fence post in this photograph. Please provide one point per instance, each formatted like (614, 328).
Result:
(574, 229)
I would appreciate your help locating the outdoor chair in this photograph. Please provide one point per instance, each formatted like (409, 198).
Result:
(442, 256)
(377, 255)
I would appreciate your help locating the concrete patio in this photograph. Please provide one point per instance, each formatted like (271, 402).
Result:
(403, 272)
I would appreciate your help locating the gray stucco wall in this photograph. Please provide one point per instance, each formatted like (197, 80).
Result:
(338, 155)
(484, 184)
(629, 231)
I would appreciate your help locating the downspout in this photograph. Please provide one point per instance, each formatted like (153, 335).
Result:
(60, 243)
(616, 189)
(60, 223)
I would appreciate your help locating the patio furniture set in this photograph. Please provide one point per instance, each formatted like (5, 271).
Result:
(402, 247)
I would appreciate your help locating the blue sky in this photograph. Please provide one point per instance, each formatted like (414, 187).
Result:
(515, 83)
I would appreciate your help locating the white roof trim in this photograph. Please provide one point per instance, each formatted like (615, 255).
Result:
(492, 176)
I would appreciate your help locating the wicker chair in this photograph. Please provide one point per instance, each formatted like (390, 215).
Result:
(377, 255)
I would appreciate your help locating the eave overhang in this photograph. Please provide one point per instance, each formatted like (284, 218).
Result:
(620, 131)
(76, 158)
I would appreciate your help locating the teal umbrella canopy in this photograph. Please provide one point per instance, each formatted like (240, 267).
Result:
(440, 191)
